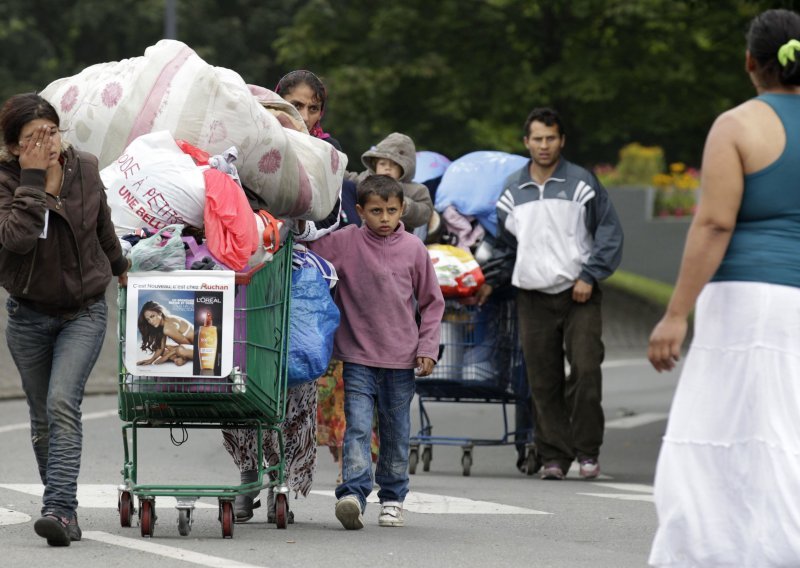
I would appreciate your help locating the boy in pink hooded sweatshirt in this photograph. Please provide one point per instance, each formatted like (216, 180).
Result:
(385, 277)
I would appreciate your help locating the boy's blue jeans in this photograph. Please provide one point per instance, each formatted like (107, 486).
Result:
(54, 356)
(392, 391)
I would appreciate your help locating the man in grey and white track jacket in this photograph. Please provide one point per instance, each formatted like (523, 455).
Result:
(559, 235)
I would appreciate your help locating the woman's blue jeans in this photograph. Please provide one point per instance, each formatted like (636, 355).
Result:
(392, 391)
(54, 356)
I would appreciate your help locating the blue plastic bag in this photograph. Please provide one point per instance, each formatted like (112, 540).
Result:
(430, 165)
(313, 319)
(304, 258)
(473, 183)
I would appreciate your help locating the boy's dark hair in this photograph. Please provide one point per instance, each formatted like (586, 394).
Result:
(768, 32)
(384, 187)
(19, 110)
(545, 115)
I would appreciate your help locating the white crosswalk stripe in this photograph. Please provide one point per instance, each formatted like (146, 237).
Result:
(11, 517)
(636, 420)
(142, 545)
(97, 496)
(428, 503)
(621, 496)
(105, 497)
(637, 492)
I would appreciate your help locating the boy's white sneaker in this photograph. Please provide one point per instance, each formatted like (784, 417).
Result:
(348, 511)
(391, 514)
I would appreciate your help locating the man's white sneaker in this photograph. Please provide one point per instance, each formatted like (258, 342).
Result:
(348, 511)
(391, 514)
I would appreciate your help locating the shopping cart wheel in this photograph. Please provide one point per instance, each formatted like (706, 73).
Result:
(413, 458)
(147, 517)
(533, 461)
(281, 511)
(125, 507)
(226, 518)
(466, 461)
(184, 521)
(427, 456)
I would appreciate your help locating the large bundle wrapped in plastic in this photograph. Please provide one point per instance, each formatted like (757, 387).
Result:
(108, 105)
(473, 183)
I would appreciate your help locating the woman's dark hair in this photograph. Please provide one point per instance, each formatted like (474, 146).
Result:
(546, 116)
(300, 77)
(768, 32)
(19, 110)
(152, 337)
(383, 186)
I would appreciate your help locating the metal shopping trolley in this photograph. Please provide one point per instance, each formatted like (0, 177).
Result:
(480, 362)
(253, 396)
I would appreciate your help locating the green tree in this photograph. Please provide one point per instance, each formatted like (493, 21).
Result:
(456, 75)
(43, 40)
(460, 75)
(237, 34)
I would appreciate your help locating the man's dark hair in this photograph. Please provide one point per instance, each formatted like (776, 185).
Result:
(546, 116)
(384, 187)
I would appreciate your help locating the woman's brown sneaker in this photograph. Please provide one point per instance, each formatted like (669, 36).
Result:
(54, 529)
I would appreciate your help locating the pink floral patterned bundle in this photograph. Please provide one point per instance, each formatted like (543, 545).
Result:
(107, 106)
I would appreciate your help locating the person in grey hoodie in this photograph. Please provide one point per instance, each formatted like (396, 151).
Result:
(396, 156)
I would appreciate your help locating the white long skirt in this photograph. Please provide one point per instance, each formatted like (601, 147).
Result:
(727, 485)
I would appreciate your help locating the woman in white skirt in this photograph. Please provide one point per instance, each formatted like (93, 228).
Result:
(728, 475)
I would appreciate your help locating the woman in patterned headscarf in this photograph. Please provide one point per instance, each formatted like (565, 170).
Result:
(308, 95)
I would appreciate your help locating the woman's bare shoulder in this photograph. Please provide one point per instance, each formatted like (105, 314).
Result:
(755, 130)
(743, 124)
(752, 112)
(736, 116)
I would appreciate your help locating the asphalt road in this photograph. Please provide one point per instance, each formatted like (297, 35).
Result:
(494, 517)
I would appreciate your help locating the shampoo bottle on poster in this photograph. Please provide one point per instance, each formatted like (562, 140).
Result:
(207, 343)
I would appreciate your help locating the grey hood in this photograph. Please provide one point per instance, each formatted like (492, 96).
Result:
(397, 147)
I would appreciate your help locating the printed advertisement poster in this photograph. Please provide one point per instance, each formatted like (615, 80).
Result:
(180, 324)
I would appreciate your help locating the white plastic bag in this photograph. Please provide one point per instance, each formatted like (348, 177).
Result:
(154, 184)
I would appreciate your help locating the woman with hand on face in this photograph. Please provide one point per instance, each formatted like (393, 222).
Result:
(58, 252)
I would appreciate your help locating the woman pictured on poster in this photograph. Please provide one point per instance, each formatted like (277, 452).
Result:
(167, 337)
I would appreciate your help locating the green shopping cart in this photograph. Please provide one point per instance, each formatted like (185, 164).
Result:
(252, 396)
